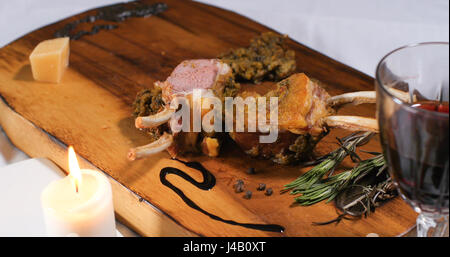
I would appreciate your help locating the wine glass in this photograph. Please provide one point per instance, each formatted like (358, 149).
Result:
(412, 84)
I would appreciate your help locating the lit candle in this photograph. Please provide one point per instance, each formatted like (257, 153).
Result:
(79, 204)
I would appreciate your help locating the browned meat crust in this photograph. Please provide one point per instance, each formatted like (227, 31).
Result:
(288, 149)
(302, 105)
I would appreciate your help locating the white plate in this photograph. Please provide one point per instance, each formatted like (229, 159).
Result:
(21, 185)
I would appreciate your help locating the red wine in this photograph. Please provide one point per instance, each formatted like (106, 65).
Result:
(417, 149)
(423, 183)
(432, 106)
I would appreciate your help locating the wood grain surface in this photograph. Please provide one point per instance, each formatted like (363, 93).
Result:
(91, 110)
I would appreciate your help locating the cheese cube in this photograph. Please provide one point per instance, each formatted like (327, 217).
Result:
(49, 59)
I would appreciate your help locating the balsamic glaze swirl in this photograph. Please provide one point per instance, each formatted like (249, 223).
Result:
(209, 181)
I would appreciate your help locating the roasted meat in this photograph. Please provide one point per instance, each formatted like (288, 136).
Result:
(305, 115)
(153, 113)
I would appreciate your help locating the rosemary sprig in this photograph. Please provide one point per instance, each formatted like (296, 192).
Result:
(370, 196)
(330, 162)
(330, 187)
(356, 192)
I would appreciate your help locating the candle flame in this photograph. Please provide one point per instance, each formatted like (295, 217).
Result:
(74, 169)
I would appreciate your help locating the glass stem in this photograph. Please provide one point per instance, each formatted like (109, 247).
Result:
(432, 225)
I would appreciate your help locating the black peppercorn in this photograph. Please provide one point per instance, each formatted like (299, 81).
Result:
(248, 195)
(269, 191)
(239, 186)
(261, 187)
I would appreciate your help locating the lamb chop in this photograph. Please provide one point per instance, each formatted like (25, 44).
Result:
(152, 108)
(306, 112)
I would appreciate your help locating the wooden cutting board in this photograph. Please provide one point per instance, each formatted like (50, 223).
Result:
(91, 110)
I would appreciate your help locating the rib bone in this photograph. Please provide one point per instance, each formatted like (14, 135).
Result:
(352, 123)
(362, 97)
(164, 142)
(402, 95)
(353, 98)
(154, 120)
